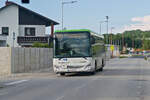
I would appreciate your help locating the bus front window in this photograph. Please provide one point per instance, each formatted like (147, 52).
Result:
(72, 45)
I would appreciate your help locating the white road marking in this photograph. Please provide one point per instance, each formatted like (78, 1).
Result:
(16, 82)
(1, 94)
(60, 98)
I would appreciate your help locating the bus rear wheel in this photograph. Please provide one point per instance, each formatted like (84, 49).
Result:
(62, 74)
(101, 69)
(92, 73)
(103, 63)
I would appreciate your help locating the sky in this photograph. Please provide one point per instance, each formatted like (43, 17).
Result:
(87, 14)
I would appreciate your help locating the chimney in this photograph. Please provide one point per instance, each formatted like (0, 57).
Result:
(7, 3)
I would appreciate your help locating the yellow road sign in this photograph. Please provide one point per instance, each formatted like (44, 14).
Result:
(112, 47)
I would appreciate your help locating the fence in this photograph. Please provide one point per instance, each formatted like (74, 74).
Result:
(5, 61)
(24, 60)
(30, 59)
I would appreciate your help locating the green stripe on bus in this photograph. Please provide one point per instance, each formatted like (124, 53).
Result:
(75, 30)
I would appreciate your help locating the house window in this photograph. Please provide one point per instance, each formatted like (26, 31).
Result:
(5, 30)
(29, 31)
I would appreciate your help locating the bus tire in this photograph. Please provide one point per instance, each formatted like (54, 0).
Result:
(62, 74)
(92, 73)
(95, 66)
(101, 69)
(103, 63)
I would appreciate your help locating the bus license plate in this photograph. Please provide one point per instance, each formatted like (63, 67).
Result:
(64, 59)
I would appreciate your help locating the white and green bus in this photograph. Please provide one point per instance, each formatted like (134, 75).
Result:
(78, 51)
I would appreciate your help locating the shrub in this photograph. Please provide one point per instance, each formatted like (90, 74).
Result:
(42, 45)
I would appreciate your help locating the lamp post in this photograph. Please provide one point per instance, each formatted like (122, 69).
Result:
(107, 29)
(111, 35)
(63, 3)
(100, 26)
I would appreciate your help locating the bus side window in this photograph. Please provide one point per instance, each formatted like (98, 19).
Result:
(92, 40)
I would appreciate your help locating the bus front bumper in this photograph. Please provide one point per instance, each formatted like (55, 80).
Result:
(72, 70)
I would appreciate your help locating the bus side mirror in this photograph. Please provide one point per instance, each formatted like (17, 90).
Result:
(92, 40)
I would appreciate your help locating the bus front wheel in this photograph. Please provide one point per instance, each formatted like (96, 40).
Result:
(103, 63)
(101, 69)
(62, 74)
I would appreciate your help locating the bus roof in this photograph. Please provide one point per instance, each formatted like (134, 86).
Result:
(74, 30)
(80, 30)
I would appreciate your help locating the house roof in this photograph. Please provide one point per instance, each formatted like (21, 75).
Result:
(46, 21)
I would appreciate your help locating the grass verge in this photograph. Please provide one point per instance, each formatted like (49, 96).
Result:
(123, 57)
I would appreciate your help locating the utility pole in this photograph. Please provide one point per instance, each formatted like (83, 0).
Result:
(143, 42)
(107, 29)
(122, 42)
(132, 41)
(62, 8)
(100, 26)
(63, 3)
(111, 35)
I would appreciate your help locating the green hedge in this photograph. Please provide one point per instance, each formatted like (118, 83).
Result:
(42, 45)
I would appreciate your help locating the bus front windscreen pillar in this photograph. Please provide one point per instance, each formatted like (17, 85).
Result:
(52, 30)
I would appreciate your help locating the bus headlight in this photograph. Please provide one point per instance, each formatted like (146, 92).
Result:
(88, 66)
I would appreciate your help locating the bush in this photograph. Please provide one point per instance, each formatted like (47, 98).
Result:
(42, 45)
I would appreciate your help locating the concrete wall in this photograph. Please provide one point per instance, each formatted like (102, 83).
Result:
(5, 61)
(21, 60)
(39, 29)
(9, 18)
(30, 59)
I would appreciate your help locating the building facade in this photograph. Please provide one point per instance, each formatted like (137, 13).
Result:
(20, 26)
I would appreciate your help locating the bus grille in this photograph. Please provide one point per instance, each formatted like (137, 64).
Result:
(74, 66)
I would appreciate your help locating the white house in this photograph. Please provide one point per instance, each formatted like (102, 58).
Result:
(20, 26)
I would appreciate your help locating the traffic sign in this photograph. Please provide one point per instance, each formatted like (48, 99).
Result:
(112, 47)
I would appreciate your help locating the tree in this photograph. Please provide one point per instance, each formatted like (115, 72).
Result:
(132, 38)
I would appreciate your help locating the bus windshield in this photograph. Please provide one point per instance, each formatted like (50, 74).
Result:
(69, 45)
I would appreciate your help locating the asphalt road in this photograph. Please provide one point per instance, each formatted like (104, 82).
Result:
(122, 79)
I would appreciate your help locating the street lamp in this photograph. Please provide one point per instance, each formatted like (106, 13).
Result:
(63, 3)
(100, 24)
(107, 28)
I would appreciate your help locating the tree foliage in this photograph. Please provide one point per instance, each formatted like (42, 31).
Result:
(134, 38)
(42, 45)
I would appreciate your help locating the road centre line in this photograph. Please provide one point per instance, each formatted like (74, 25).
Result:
(16, 82)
